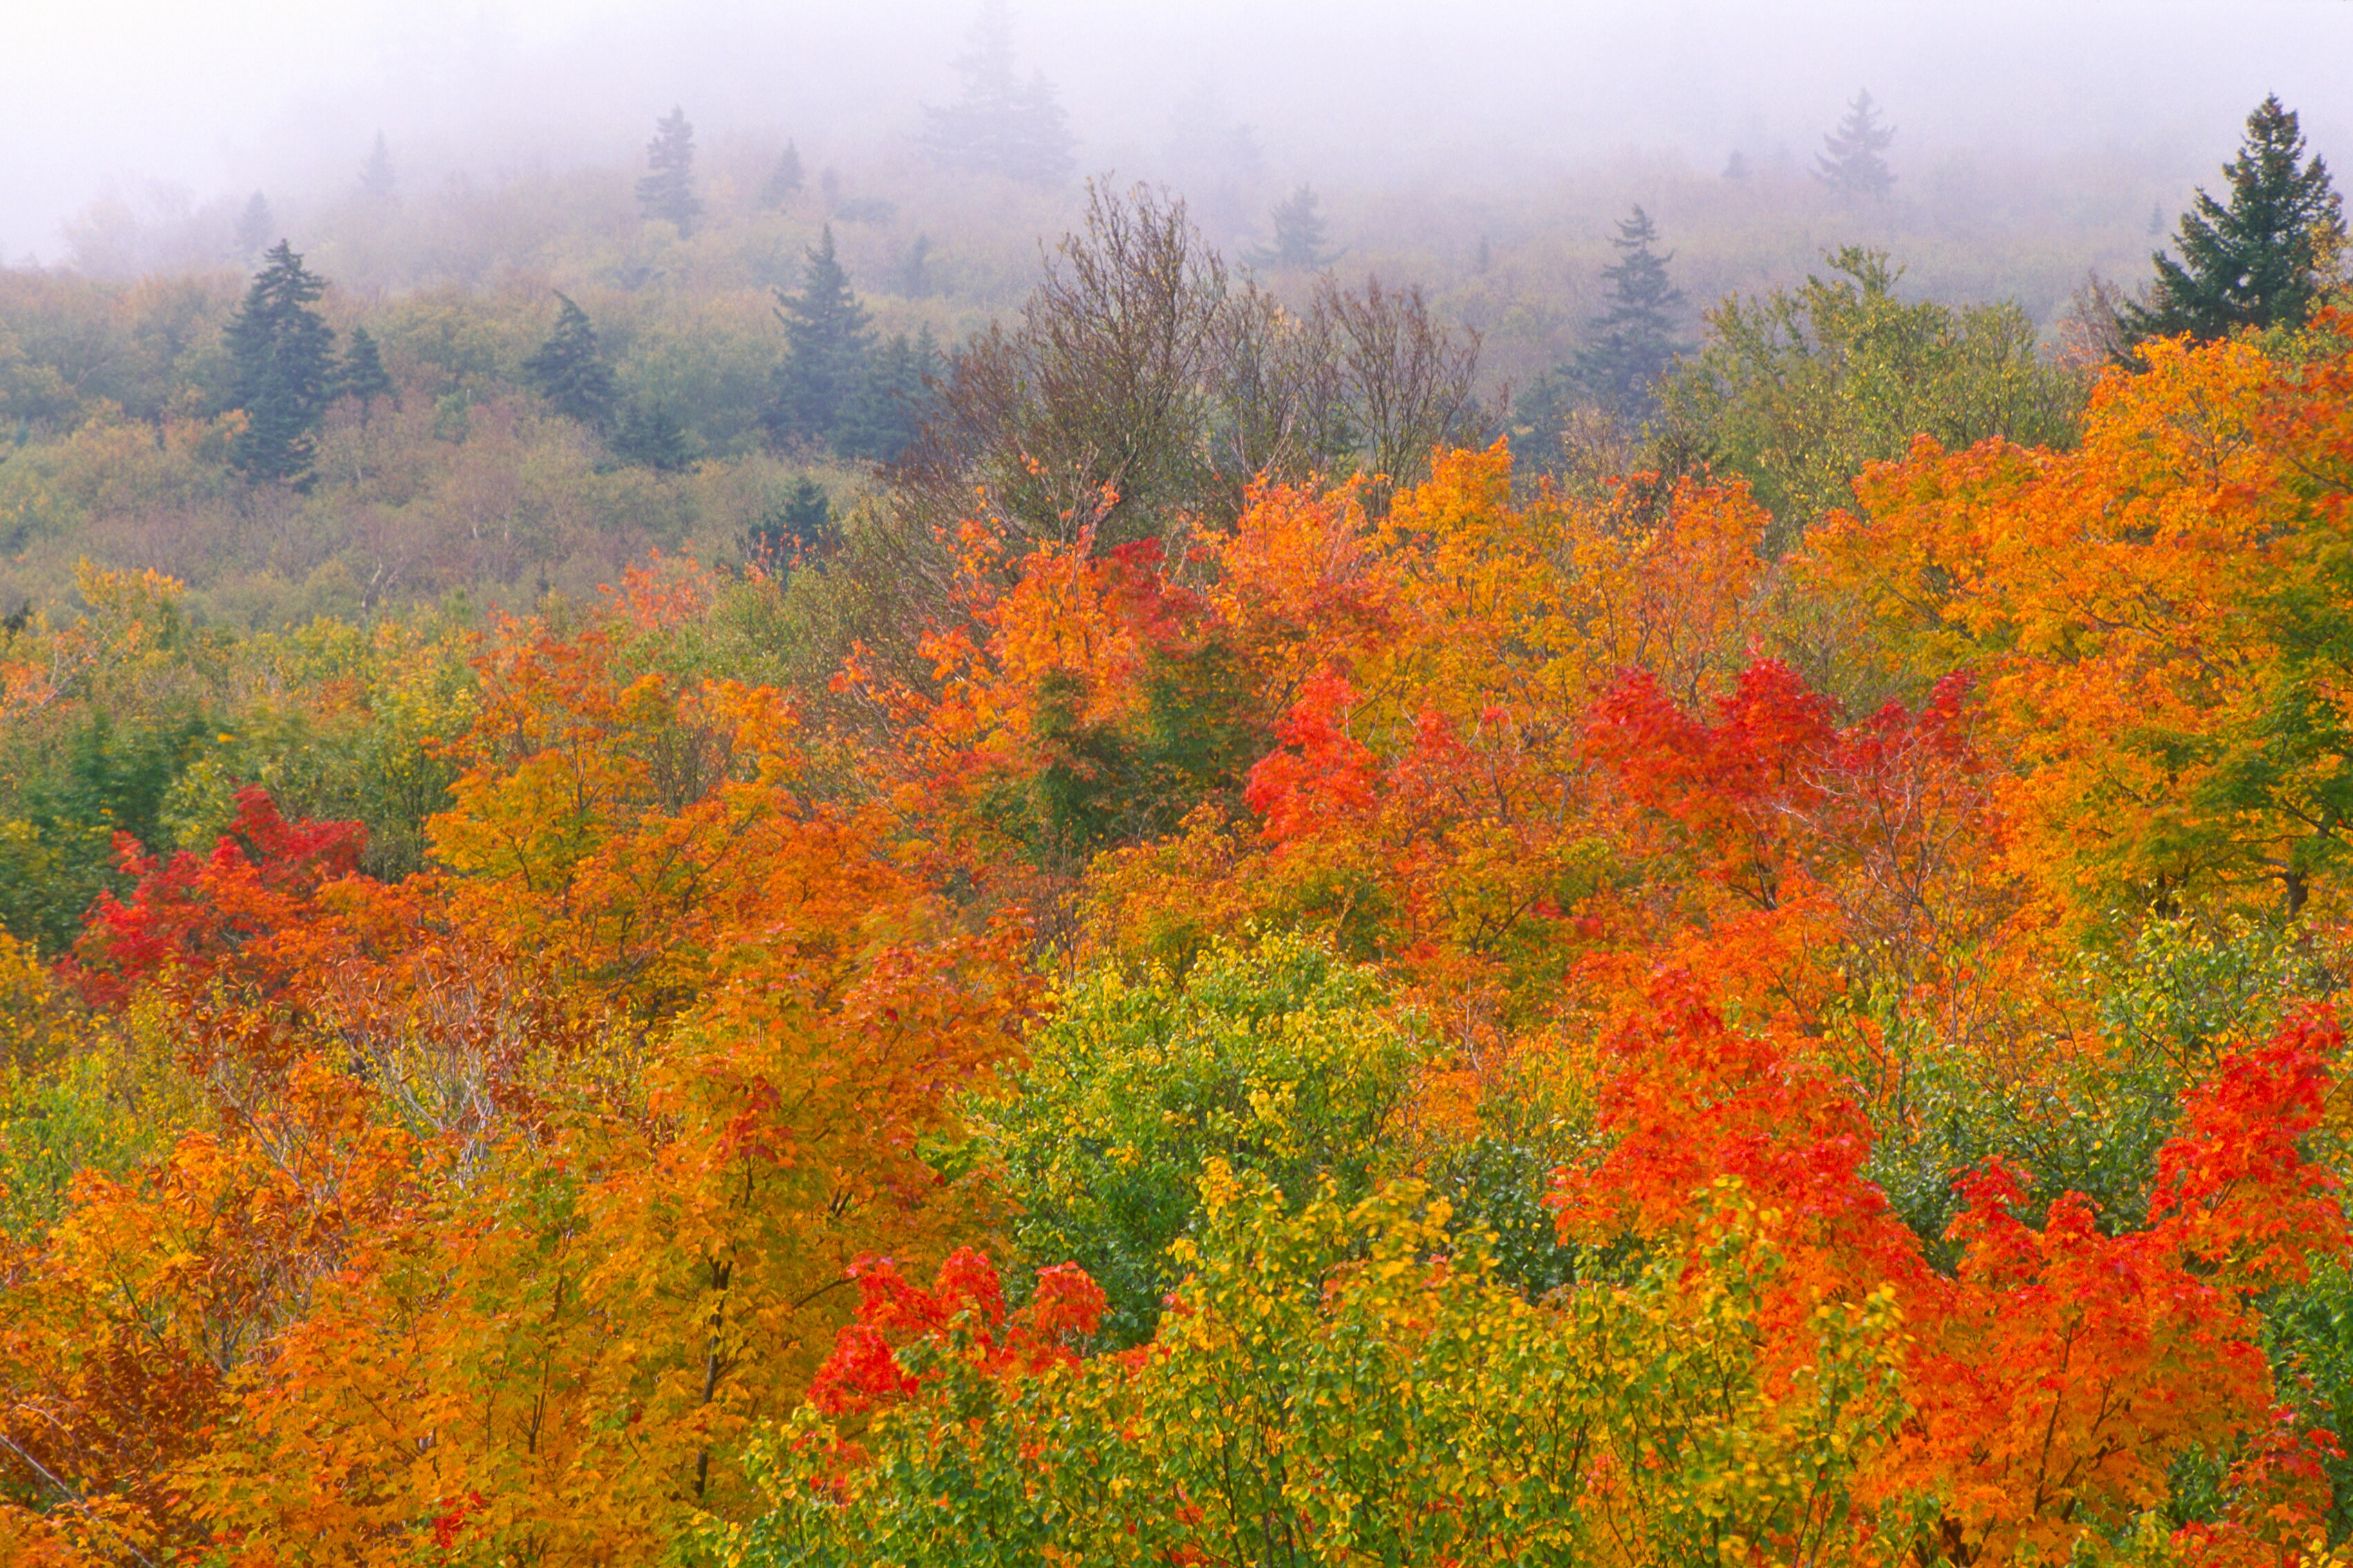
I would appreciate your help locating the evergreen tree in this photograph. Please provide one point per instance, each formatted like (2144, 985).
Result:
(1634, 338)
(1852, 165)
(801, 524)
(784, 180)
(376, 181)
(1539, 413)
(1298, 240)
(827, 349)
(281, 360)
(254, 227)
(893, 398)
(363, 374)
(667, 191)
(650, 437)
(1000, 125)
(2263, 260)
(570, 372)
(915, 278)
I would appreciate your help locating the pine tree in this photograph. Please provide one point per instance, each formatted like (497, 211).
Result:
(914, 279)
(784, 180)
(1852, 165)
(569, 372)
(362, 376)
(667, 191)
(1634, 338)
(891, 399)
(828, 346)
(650, 437)
(1298, 240)
(282, 359)
(1000, 125)
(376, 181)
(2260, 262)
(254, 227)
(801, 522)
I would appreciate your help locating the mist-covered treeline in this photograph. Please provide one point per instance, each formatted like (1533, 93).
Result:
(768, 312)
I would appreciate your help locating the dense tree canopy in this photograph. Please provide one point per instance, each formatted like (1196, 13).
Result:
(1130, 940)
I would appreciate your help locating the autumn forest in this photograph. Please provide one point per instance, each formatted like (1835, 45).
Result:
(699, 866)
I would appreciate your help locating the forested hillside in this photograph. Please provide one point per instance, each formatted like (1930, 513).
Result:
(701, 864)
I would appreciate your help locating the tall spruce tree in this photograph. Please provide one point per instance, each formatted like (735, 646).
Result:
(1850, 163)
(362, 374)
(1298, 241)
(1634, 340)
(378, 182)
(828, 345)
(570, 372)
(891, 399)
(650, 437)
(1000, 125)
(282, 367)
(667, 191)
(784, 180)
(2261, 261)
(802, 522)
(254, 227)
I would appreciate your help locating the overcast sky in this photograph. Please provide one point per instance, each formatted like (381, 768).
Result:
(222, 97)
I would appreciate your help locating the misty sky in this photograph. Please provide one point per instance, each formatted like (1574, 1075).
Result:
(222, 97)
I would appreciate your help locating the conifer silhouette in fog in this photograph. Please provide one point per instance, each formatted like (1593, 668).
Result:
(1298, 241)
(667, 191)
(1850, 163)
(1634, 338)
(1000, 125)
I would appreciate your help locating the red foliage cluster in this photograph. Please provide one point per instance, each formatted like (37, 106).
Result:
(199, 913)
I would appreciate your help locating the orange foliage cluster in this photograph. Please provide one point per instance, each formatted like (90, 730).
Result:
(525, 1189)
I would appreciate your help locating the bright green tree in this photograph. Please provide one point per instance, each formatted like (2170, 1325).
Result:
(2263, 260)
(1279, 1060)
(1797, 389)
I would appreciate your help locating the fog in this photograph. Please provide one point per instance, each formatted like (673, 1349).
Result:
(155, 102)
